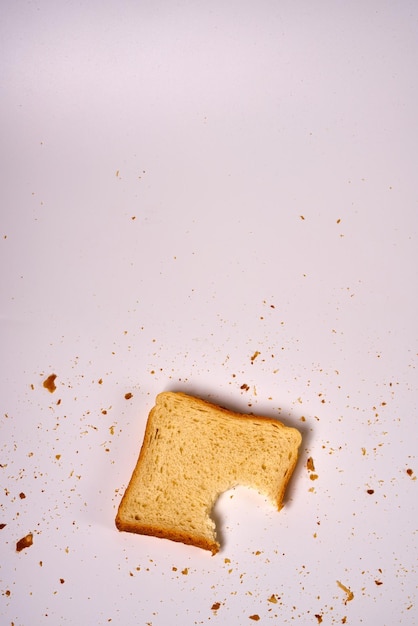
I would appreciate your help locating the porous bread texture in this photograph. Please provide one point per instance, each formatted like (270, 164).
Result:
(192, 452)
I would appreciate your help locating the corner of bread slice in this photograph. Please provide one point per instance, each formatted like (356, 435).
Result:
(204, 537)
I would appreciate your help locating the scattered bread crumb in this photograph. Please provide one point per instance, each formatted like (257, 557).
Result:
(310, 464)
(25, 542)
(350, 594)
(49, 383)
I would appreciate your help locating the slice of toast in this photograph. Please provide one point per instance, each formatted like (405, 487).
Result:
(192, 452)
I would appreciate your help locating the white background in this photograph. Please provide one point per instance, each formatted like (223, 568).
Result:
(184, 184)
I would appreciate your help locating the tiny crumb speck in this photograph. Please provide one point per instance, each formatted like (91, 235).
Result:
(350, 594)
(49, 383)
(25, 542)
(255, 355)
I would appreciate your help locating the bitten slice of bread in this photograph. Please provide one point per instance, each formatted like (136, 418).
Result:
(192, 452)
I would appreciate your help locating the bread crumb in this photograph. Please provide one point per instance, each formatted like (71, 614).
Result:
(185, 571)
(215, 606)
(49, 383)
(350, 594)
(25, 542)
(272, 598)
(128, 396)
(255, 617)
(310, 464)
(319, 618)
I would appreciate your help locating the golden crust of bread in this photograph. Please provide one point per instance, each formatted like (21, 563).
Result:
(181, 537)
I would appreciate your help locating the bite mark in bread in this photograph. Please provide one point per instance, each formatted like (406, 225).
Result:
(192, 452)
